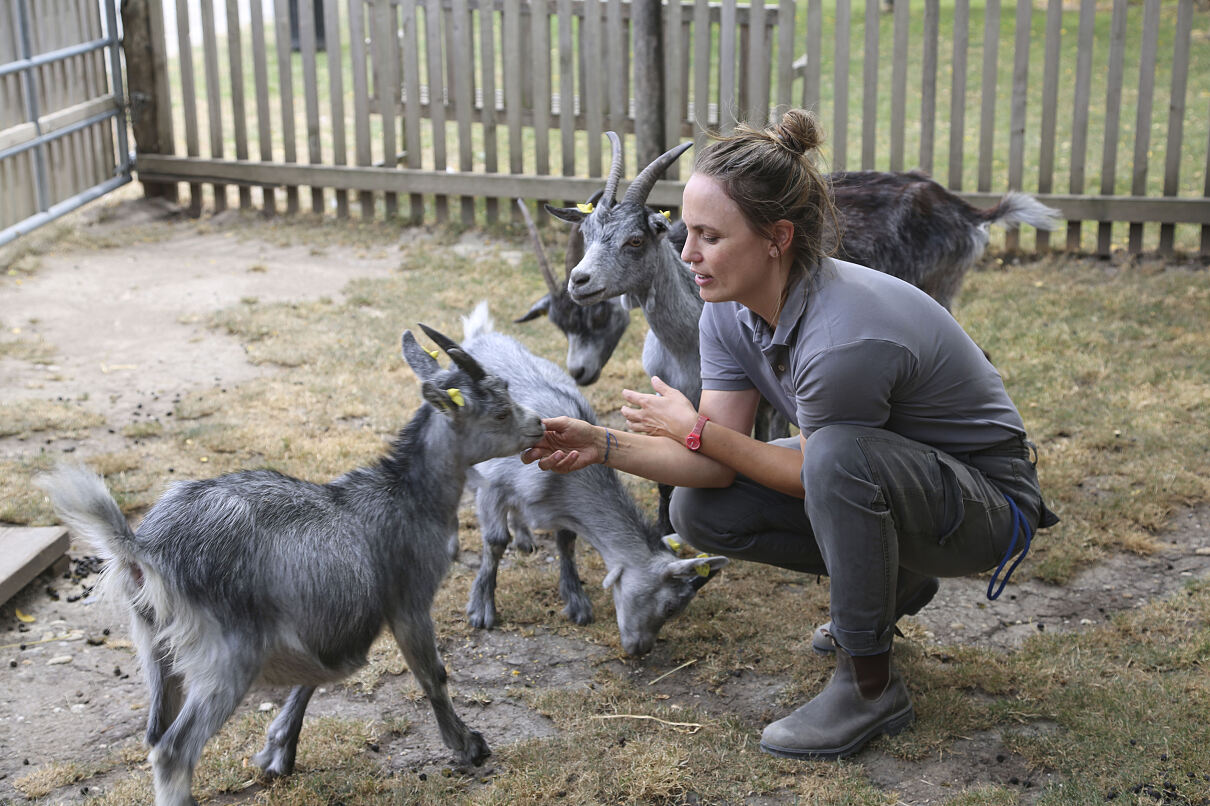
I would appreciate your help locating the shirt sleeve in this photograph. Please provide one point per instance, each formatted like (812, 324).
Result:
(850, 384)
(721, 370)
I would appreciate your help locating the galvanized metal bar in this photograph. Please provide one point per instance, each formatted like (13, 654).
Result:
(54, 56)
(41, 182)
(43, 139)
(61, 209)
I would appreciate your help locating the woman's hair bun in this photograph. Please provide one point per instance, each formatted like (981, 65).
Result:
(798, 131)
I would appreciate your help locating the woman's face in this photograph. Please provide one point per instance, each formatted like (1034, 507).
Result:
(730, 260)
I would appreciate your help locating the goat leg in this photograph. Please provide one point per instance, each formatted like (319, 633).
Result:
(493, 527)
(281, 743)
(571, 589)
(416, 638)
(163, 687)
(208, 705)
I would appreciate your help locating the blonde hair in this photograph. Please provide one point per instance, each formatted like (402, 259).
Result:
(771, 175)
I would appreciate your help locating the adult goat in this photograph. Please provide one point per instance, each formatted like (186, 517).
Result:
(259, 574)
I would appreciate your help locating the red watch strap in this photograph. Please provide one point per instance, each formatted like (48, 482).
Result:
(693, 440)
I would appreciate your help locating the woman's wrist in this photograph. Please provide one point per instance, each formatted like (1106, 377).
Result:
(609, 446)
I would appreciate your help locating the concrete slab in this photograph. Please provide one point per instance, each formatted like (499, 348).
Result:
(25, 552)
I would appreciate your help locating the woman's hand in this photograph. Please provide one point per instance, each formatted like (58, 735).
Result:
(667, 413)
(568, 444)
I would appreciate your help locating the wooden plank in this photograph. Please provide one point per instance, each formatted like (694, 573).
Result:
(1176, 121)
(487, 84)
(673, 99)
(55, 121)
(785, 52)
(513, 93)
(25, 552)
(567, 90)
(899, 52)
(188, 98)
(616, 49)
(464, 102)
(869, 85)
(728, 107)
(260, 72)
(1175, 209)
(540, 21)
(334, 48)
(1113, 116)
(214, 95)
(987, 118)
(1142, 121)
(756, 104)
(812, 80)
(594, 118)
(409, 56)
(1016, 119)
(362, 150)
(840, 77)
(239, 112)
(701, 71)
(1080, 105)
(433, 41)
(386, 89)
(307, 46)
(285, 90)
(1050, 103)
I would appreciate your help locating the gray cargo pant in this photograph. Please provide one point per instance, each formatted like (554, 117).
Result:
(880, 511)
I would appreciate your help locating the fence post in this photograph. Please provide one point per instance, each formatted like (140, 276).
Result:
(147, 81)
(648, 80)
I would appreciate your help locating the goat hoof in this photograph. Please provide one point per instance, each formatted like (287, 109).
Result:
(580, 613)
(475, 750)
(481, 620)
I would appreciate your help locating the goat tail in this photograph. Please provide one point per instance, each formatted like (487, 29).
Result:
(1018, 208)
(86, 507)
(478, 322)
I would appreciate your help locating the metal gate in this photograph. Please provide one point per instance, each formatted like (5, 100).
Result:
(62, 114)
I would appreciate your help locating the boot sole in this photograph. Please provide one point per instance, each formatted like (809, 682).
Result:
(893, 726)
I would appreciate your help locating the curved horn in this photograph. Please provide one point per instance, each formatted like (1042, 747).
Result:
(456, 353)
(615, 170)
(642, 184)
(552, 285)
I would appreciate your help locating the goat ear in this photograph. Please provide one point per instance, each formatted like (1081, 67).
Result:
(539, 308)
(422, 362)
(438, 397)
(704, 567)
(612, 578)
(569, 214)
(658, 221)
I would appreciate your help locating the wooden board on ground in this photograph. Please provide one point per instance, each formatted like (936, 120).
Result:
(26, 552)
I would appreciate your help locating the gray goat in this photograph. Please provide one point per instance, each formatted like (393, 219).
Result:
(649, 583)
(904, 224)
(259, 574)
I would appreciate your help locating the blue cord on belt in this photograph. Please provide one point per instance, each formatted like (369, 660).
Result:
(1020, 525)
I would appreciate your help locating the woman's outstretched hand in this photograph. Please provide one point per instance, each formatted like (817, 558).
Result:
(568, 444)
(667, 413)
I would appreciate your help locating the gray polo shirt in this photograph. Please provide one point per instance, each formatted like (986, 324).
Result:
(858, 347)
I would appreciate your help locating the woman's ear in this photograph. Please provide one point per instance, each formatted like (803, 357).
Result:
(782, 237)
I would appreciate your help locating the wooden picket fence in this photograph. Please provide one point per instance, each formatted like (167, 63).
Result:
(408, 108)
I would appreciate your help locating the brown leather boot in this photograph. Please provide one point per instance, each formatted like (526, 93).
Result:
(841, 719)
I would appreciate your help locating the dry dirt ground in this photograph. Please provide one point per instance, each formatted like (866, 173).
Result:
(127, 323)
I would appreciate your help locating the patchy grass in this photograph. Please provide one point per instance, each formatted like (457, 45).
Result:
(1107, 363)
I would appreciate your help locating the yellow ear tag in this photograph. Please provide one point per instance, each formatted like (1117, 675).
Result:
(675, 545)
(456, 396)
(584, 208)
(667, 214)
(433, 353)
(703, 569)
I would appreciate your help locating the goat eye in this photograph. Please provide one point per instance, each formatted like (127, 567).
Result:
(502, 416)
(636, 241)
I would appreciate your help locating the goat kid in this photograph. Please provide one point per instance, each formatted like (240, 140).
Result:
(256, 573)
(649, 583)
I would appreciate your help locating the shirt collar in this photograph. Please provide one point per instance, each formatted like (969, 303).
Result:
(791, 314)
